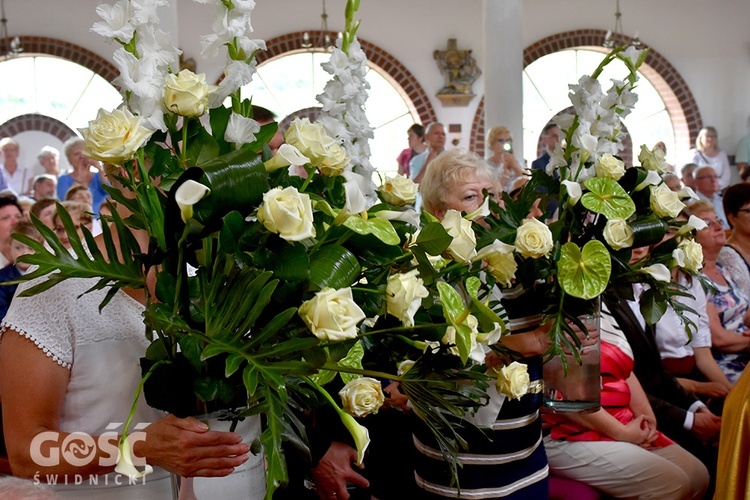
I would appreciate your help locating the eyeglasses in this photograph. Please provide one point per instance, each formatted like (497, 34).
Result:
(505, 140)
(707, 177)
(746, 210)
(713, 223)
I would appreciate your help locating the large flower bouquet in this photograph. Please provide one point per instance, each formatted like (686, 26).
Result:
(605, 211)
(263, 288)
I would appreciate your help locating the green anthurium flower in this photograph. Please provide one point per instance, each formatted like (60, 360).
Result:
(584, 273)
(608, 198)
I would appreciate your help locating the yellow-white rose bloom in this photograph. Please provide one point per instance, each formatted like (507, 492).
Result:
(186, 94)
(609, 167)
(533, 239)
(362, 396)
(404, 293)
(288, 213)
(463, 247)
(618, 234)
(332, 314)
(310, 139)
(665, 202)
(693, 255)
(500, 260)
(399, 190)
(513, 380)
(114, 137)
(188, 194)
(334, 161)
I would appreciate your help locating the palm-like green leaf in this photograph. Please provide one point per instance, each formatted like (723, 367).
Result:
(58, 263)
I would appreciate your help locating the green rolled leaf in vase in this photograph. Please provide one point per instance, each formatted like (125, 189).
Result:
(584, 273)
(608, 198)
(648, 231)
(333, 266)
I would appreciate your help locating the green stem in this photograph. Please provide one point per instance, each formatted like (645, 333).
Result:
(310, 174)
(334, 367)
(138, 391)
(183, 149)
(367, 290)
(180, 268)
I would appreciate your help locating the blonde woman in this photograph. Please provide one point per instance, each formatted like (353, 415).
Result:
(707, 152)
(502, 161)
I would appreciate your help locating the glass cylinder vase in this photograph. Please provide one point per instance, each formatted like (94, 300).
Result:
(577, 387)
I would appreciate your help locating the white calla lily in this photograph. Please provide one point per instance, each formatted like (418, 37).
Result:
(659, 272)
(187, 195)
(652, 179)
(679, 257)
(687, 192)
(285, 156)
(574, 191)
(693, 223)
(409, 216)
(481, 212)
(355, 198)
(125, 464)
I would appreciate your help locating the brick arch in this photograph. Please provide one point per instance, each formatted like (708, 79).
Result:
(672, 88)
(71, 52)
(36, 121)
(390, 67)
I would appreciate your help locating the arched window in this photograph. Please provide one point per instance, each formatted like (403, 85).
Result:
(545, 93)
(289, 83)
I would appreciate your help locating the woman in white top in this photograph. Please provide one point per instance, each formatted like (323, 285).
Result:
(707, 152)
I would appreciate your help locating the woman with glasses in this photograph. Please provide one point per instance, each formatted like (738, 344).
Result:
(727, 306)
(707, 152)
(734, 258)
(502, 161)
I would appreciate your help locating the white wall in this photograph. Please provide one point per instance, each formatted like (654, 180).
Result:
(707, 42)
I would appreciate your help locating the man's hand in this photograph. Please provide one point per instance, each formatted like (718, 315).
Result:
(334, 470)
(706, 425)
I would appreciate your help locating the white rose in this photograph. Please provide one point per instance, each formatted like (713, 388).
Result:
(332, 314)
(533, 239)
(287, 213)
(362, 396)
(513, 380)
(404, 294)
(310, 139)
(500, 261)
(286, 155)
(334, 161)
(610, 167)
(188, 194)
(652, 160)
(186, 94)
(618, 234)
(463, 247)
(665, 202)
(114, 137)
(693, 252)
(399, 190)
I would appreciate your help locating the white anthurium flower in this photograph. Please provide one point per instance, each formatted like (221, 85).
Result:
(659, 272)
(652, 179)
(679, 257)
(409, 216)
(481, 212)
(574, 191)
(241, 129)
(285, 156)
(355, 198)
(687, 192)
(188, 194)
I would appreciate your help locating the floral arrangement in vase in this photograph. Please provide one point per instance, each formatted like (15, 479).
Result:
(605, 211)
(263, 287)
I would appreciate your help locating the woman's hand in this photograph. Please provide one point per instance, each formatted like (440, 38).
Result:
(186, 447)
(335, 470)
(636, 431)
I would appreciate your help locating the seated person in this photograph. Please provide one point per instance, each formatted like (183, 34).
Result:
(44, 210)
(728, 306)
(16, 269)
(80, 213)
(618, 449)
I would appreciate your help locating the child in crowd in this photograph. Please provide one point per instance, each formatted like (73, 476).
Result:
(81, 215)
(16, 269)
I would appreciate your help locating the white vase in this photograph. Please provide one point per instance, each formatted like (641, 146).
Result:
(246, 482)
